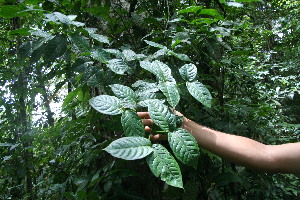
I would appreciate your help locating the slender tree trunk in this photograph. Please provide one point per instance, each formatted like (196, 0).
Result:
(70, 89)
(46, 99)
(23, 120)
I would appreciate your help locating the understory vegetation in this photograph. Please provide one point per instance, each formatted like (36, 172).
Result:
(73, 74)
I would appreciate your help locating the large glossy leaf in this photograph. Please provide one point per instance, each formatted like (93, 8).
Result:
(118, 66)
(132, 124)
(124, 92)
(145, 86)
(158, 54)
(130, 148)
(80, 42)
(130, 55)
(100, 38)
(190, 9)
(100, 55)
(106, 104)
(169, 89)
(163, 72)
(180, 56)
(150, 95)
(55, 48)
(114, 51)
(159, 69)
(38, 49)
(154, 44)
(57, 17)
(211, 12)
(145, 103)
(163, 165)
(148, 66)
(184, 146)
(199, 92)
(162, 116)
(10, 11)
(188, 72)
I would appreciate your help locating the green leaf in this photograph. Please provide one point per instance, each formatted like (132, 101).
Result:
(154, 44)
(145, 86)
(162, 71)
(191, 9)
(235, 4)
(169, 89)
(118, 66)
(242, 1)
(10, 11)
(20, 32)
(184, 146)
(188, 72)
(124, 92)
(38, 49)
(145, 103)
(80, 42)
(106, 104)
(132, 124)
(100, 55)
(159, 69)
(69, 98)
(100, 38)
(55, 48)
(163, 165)
(158, 54)
(114, 51)
(162, 115)
(148, 66)
(180, 56)
(211, 12)
(58, 17)
(130, 148)
(129, 55)
(199, 92)
(200, 11)
(40, 33)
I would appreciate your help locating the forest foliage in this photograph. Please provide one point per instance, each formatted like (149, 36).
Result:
(73, 74)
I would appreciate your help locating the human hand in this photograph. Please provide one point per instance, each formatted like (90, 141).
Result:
(148, 123)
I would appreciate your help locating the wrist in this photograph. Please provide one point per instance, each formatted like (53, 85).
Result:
(185, 123)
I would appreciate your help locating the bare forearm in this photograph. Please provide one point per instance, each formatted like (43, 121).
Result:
(245, 151)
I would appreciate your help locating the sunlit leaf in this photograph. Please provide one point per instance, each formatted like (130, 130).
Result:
(145, 103)
(118, 66)
(163, 165)
(162, 115)
(191, 9)
(106, 104)
(130, 148)
(124, 92)
(100, 55)
(199, 92)
(100, 38)
(169, 89)
(154, 44)
(184, 146)
(188, 72)
(132, 124)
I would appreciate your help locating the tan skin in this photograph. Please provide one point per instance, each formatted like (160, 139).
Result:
(283, 158)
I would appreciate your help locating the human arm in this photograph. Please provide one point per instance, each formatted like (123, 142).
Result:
(241, 150)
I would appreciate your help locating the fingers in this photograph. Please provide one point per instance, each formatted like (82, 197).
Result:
(158, 137)
(144, 115)
(147, 122)
(147, 129)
